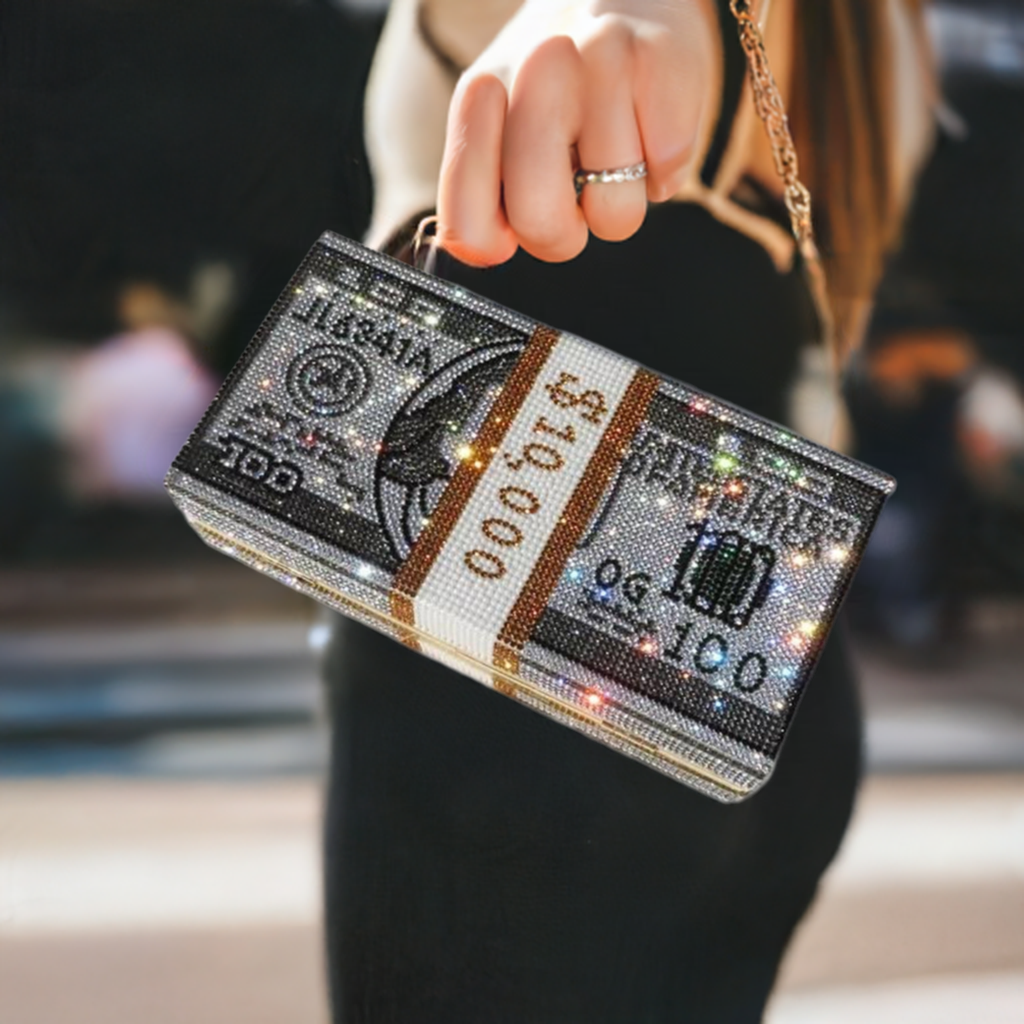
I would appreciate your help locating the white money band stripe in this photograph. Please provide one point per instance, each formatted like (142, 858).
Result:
(523, 494)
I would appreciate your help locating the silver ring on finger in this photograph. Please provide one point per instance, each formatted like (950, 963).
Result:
(634, 172)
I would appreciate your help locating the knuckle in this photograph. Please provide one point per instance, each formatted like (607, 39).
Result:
(668, 158)
(538, 210)
(479, 86)
(555, 57)
(480, 99)
(537, 234)
(610, 48)
(560, 253)
(552, 244)
(479, 253)
(615, 224)
(614, 233)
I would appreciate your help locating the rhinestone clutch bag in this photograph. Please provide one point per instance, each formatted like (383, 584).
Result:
(634, 558)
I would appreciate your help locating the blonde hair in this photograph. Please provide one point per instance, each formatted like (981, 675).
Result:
(843, 115)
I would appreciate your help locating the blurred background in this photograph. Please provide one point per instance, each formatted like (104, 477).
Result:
(164, 165)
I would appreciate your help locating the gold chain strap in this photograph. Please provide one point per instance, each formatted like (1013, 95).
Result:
(772, 112)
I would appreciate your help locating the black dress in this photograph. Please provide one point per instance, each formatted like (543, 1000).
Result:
(486, 865)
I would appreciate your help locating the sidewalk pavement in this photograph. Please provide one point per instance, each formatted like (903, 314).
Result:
(243, 698)
(181, 886)
(171, 902)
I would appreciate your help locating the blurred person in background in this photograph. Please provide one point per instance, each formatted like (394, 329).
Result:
(933, 410)
(990, 430)
(904, 398)
(484, 864)
(132, 401)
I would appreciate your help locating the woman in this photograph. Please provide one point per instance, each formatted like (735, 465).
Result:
(483, 863)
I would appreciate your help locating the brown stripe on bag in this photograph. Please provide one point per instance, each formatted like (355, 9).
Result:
(453, 501)
(581, 506)
(402, 612)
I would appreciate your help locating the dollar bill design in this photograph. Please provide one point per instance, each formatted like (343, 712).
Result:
(625, 553)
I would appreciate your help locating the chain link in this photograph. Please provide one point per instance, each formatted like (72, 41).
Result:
(772, 112)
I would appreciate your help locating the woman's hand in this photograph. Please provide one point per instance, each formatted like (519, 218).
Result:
(566, 84)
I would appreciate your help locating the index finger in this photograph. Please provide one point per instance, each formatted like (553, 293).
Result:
(544, 119)
(472, 225)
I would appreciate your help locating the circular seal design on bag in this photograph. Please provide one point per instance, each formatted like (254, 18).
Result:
(329, 380)
(420, 447)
